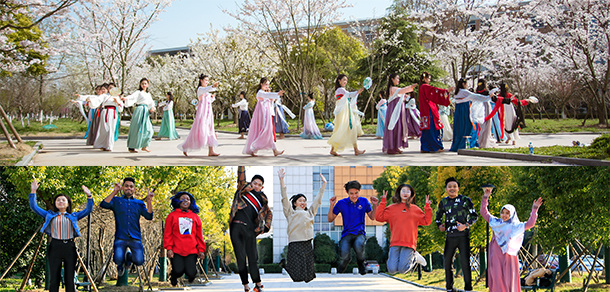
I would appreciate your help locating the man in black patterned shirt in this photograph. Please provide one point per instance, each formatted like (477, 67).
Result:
(459, 216)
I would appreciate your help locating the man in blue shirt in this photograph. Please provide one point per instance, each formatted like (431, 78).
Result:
(127, 211)
(353, 209)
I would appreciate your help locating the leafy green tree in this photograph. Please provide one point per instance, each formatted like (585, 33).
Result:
(324, 249)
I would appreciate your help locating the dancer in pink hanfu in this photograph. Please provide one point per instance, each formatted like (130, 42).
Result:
(202, 132)
(261, 135)
(508, 233)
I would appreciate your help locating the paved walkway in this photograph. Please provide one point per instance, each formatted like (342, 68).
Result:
(297, 152)
(323, 283)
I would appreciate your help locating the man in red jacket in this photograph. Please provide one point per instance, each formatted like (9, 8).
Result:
(183, 237)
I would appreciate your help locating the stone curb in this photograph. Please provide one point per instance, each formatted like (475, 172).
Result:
(528, 157)
(25, 160)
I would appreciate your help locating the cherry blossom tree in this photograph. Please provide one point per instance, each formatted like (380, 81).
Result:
(578, 31)
(112, 38)
(289, 28)
(23, 45)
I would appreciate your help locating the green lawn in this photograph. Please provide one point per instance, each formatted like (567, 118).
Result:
(437, 278)
(561, 151)
(68, 127)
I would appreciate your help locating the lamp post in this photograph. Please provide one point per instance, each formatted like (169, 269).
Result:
(485, 256)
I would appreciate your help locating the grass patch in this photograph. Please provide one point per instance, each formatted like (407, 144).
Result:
(65, 127)
(562, 125)
(560, 151)
(12, 284)
(436, 278)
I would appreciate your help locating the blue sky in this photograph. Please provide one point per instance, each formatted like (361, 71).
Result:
(185, 19)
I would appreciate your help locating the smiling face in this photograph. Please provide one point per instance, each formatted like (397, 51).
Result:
(185, 202)
(265, 86)
(61, 203)
(396, 80)
(405, 194)
(301, 203)
(257, 185)
(505, 214)
(343, 81)
(103, 90)
(204, 82)
(128, 188)
(353, 195)
(144, 85)
(452, 189)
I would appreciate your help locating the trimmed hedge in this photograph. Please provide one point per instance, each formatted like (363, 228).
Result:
(271, 268)
(322, 268)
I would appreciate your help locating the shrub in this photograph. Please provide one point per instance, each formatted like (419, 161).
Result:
(271, 268)
(322, 268)
(602, 142)
(324, 249)
(233, 267)
(373, 251)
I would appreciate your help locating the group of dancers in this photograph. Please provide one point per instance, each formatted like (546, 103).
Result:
(251, 216)
(478, 115)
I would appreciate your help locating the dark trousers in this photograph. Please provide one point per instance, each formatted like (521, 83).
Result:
(184, 265)
(62, 253)
(244, 244)
(348, 242)
(463, 244)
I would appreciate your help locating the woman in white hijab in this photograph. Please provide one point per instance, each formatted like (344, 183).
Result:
(504, 247)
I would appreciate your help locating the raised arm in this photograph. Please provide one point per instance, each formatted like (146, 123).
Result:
(427, 219)
(381, 216)
(331, 210)
(374, 203)
(534, 215)
(286, 206)
(317, 201)
(484, 203)
(108, 199)
(82, 214)
(39, 211)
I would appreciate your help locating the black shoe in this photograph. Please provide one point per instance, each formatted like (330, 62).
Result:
(468, 288)
(173, 281)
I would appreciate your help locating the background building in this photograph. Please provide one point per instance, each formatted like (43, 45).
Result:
(306, 180)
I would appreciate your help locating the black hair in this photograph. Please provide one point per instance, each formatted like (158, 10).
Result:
(339, 77)
(258, 176)
(171, 96)
(111, 84)
(131, 179)
(175, 201)
(310, 95)
(354, 184)
(461, 84)
(390, 83)
(263, 80)
(422, 76)
(54, 208)
(293, 200)
(448, 180)
(481, 85)
(105, 85)
(503, 89)
(243, 93)
(397, 198)
(140, 84)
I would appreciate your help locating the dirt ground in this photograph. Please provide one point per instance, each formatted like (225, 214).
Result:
(9, 155)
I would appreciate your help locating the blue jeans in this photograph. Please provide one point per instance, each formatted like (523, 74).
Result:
(400, 259)
(345, 244)
(137, 251)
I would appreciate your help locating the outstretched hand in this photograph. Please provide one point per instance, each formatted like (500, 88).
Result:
(34, 186)
(281, 173)
(215, 84)
(384, 194)
(486, 192)
(86, 191)
(322, 178)
(428, 200)
(360, 90)
(117, 187)
(281, 93)
(150, 196)
(537, 203)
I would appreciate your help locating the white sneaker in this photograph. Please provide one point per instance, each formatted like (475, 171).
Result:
(420, 259)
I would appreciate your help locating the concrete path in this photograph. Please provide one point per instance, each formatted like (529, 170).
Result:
(322, 283)
(297, 152)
